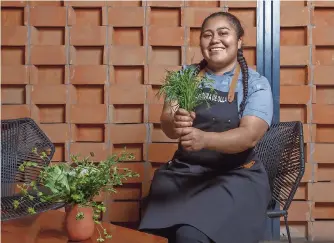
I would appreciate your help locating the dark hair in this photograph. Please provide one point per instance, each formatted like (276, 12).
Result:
(240, 56)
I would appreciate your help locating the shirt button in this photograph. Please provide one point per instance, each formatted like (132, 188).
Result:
(229, 121)
(213, 119)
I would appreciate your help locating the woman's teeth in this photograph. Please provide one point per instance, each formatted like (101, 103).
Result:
(217, 49)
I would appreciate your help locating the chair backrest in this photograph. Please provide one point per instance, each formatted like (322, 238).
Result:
(19, 137)
(282, 153)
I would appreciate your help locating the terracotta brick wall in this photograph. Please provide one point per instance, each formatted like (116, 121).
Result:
(87, 72)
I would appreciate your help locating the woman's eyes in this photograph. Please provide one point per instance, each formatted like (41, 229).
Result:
(219, 34)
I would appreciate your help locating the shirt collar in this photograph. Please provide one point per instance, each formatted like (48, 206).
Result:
(228, 73)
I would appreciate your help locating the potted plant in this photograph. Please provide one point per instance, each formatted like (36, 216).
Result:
(76, 184)
(185, 89)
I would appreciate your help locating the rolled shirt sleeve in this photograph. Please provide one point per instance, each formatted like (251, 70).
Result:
(260, 98)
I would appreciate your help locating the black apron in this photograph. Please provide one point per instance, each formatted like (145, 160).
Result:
(223, 195)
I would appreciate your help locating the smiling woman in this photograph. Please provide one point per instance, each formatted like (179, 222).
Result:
(215, 189)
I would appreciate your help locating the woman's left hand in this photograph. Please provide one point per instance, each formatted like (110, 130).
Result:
(192, 139)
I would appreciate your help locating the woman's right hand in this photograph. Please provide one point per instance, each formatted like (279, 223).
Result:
(182, 119)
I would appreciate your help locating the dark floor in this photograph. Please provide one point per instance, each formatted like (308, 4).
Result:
(298, 241)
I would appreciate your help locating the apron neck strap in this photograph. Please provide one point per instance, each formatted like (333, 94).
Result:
(233, 84)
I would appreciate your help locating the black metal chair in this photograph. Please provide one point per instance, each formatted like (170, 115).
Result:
(18, 139)
(282, 152)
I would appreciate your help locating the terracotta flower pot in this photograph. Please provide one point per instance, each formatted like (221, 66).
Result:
(81, 229)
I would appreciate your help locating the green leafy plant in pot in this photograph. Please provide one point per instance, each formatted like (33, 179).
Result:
(76, 184)
(185, 89)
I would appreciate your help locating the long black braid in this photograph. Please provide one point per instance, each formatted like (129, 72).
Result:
(240, 56)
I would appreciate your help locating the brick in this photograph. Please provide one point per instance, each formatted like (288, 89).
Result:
(165, 4)
(299, 212)
(156, 73)
(14, 111)
(154, 113)
(86, 4)
(322, 211)
(164, 16)
(135, 19)
(165, 55)
(57, 3)
(13, 16)
(293, 75)
(88, 55)
(161, 152)
(322, 231)
(295, 94)
(240, 4)
(88, 114)
(13, 94)
(126, 94)
(309, 131)
(319, 192)
(48, 55)
(193, 17)
(124, 193)
(127, 55)
(126, 113)
(130, 75)
(40, 94)
(323, 114)
(323, 153)
(293, 113)
(14, 35)
(300, 55)
(88, 35)
(14, 3)
(323, 35)
(194, 55)
(247, 17)
(48, 16)
(308, 173)
(323, 75)
(137, 131)
(319, 3)
(101, 150)
(124, 212)
(249, 39)
(48, 74)
(88, 133)
(322, 17)
(49, 113)
(325, 134)
(57, 133)
(83, 17)
(325, 172)
(294, 16)
(324, 56)
(158, 136)
(152, 97)
(14, 75)
(48, 36)
(166, 36)
(325, 95)
(88, 74)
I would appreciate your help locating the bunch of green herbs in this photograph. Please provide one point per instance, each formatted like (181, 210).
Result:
(185, 88)
(77, 182)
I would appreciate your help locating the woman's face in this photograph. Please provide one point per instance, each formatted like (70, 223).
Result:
(219, 43)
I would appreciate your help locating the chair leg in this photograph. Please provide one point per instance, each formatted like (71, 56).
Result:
(287, 227)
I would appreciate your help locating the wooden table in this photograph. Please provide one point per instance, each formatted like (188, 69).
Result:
(48, 227)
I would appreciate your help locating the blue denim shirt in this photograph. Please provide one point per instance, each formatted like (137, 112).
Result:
(260, 100)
